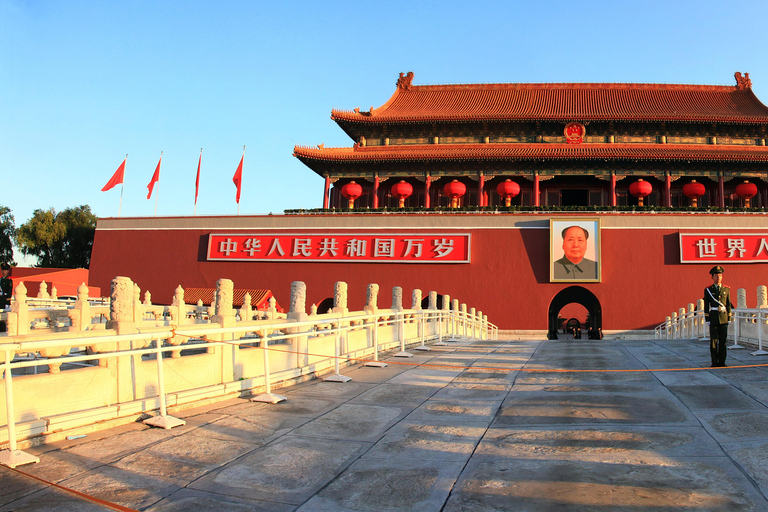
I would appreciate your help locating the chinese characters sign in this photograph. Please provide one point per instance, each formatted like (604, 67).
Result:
(724, 247)
(341, 248)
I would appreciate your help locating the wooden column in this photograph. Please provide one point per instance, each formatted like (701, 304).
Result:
(480, 188)
(668, 190)
(613, 189)
(721, 191)
(536, 190)
(327, 188)
(427, 182)
(376, 191)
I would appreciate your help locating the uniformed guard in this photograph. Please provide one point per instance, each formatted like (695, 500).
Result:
(717, 311)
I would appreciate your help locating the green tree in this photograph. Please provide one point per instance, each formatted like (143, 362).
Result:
(59, 240)
(7, 235)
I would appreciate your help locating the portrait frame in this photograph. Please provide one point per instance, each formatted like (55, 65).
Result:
(561, 269)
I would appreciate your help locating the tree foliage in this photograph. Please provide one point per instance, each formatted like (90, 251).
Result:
(59, 240)
(7, 235)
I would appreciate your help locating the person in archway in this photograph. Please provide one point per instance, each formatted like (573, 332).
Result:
(717, 311)
(573, 264)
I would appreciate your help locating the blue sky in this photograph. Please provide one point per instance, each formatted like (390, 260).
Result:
(83, 83)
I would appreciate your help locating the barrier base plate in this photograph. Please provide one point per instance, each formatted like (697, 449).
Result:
(269, 398)
(403, 354)
(166, 422)
(376, 364)
(13, 458)
(420, 347)
(337, 378)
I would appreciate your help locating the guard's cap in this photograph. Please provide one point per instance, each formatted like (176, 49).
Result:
(5, 266)
(716, 270)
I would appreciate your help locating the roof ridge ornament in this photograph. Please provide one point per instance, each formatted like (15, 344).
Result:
(742, 82)
(405, 80)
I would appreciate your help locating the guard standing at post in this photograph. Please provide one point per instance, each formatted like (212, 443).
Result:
(717, 311)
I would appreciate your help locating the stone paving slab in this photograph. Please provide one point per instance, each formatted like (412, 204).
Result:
(388, 485)
(290, 470)
(462, 412)
(547, 485)
(190, 500)
(416, 441)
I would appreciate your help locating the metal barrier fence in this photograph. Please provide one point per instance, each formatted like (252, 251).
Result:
(748, 325)
(99, 375)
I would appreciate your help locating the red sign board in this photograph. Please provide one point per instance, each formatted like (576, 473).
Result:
(341, 248)
(724, 247)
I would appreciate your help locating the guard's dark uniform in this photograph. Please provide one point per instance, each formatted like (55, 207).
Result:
(717, 311)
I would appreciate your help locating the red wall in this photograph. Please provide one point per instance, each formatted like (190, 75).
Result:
(508, 278)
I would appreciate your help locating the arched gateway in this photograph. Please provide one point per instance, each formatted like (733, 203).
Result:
(581, 296)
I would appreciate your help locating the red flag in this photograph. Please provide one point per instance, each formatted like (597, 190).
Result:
(197, 180)
(238, 177)
(116, 178)
(155, 177)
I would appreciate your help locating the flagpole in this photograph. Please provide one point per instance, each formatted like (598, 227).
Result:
(241, 177)
(158, 185)
(197, 180)
(122, 187)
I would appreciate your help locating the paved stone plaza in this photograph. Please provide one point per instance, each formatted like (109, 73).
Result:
(470, 434)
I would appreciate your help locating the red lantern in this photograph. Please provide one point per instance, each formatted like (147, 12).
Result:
(351, 191)
(746, 191)
(401, 191)
(640, 189)
(694, 191)
(508, 189)
(455, 190)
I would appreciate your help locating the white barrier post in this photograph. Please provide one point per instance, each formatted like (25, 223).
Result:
(759, 351)
(267, 396)
(422, 328)
(736, 331)
(400, 326)
(163, 421)
(375, 334)
(439, 323)
(12, 457)
(337, 377)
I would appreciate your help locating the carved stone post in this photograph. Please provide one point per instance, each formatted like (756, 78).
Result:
(432, 304)
(138, 310)
(224, 315)
(80, 315)
(43, 291)
(762, 300)
(18, 318)
(701, 322)
(397, 298)
(372, 299)
(121, 306)
(246, 310)
(416, 299)
(340, 298)
(272, 312)
(121, 320)
(298, 313)
(690, 324)
(681, 322)
(741, 303)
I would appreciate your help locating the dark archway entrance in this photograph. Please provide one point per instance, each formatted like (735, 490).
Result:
(581, 296)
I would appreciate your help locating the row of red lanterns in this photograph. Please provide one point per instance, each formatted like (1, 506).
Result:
(693, 191)
(454, 190)
(509, 189)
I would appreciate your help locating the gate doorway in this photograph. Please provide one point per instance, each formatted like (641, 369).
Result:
(578, 295)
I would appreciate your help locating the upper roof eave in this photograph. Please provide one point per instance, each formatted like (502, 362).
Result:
(564, 102)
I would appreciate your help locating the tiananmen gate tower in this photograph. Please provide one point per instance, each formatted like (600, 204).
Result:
(472, 190)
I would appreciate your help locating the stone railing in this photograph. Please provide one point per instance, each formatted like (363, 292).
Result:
(749, 325)
(142, 359)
